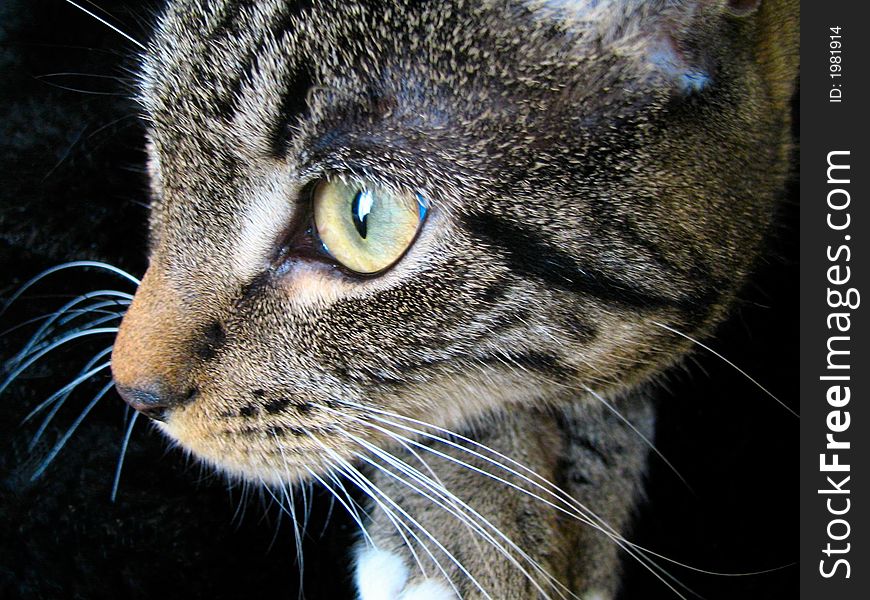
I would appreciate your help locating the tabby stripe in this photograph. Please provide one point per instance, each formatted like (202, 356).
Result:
(542, 362)
(293, 105)
(532, 256)
(282, 22)
(610, 220)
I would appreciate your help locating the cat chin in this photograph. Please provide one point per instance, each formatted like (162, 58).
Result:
(288, 465)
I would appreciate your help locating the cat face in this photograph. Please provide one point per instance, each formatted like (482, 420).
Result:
(576, 182)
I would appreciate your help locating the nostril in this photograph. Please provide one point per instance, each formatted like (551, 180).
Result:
(153, 405)
(147, 403)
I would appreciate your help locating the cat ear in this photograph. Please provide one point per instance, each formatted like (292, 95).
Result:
(679, 38)
(672, 41)
(741, 8)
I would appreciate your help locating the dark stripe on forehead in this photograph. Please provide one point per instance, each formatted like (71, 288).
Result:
(293, 106)
(284, 23)
(532, 256)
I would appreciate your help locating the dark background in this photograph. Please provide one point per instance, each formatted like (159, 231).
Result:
(72, 186)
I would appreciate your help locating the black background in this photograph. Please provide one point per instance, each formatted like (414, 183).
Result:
(72, 186)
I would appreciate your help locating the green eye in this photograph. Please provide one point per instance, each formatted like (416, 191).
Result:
(363, 226)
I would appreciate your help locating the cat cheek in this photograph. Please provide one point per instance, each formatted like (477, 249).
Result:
(312, 285)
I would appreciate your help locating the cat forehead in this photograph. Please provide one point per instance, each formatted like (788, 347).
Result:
(210, 50)
(259, 75)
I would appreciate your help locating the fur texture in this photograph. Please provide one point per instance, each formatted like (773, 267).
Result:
(598, 175)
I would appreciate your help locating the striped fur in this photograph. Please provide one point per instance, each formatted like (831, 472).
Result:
(595, 169)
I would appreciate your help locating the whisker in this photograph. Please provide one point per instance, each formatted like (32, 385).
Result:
(349, 506)
(328, 518)
(438, 487)
(473, 453)
(435, 477)
(84, 327)
(584, 514)
(396, 524)
(86, 373)
(72, 315)
(51, 414)
(124, 443)
(287, 489)
(79, 334)
(97, 307)
(645, 440)
(563, 496)
(368, 487)
(282, 510)
(74, 74)
(69, 432)
(738, 369)
(459, 511)
(239, 513)
(40, 333)
(78, 91)
(70, 265)
(140, 45)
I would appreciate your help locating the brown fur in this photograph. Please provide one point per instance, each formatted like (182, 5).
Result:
(592, 172)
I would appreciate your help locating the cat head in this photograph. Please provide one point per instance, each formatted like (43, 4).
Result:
(439, 209)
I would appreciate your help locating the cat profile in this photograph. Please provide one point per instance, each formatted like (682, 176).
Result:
(442, 252)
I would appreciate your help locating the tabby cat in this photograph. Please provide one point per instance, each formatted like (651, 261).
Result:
(441, 251)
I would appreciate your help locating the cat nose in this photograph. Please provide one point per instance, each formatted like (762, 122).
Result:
(151, 403)
(153, 350)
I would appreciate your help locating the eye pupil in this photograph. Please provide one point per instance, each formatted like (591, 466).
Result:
(364, 226)
(361, 207)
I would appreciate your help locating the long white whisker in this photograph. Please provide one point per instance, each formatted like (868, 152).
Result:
(72, 314)
(40, 333)
(584, 514)
(306, 506)
(471, 467)
(16, 372)
(288, 494)
(399, 527)
(96, 307)
(367, 486)
(58, 404)
(328, 519)
(66, 436)
(437, 487)
(739, 370)
(462, 511)
(375, 494)
(645, 440)
(86, 373)
(140, 45)
(123, 453)
(282, 510)
(84, 327)
(562, 495)
(70, 265)
(348, 506)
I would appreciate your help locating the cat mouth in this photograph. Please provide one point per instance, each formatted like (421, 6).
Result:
(271, 452)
